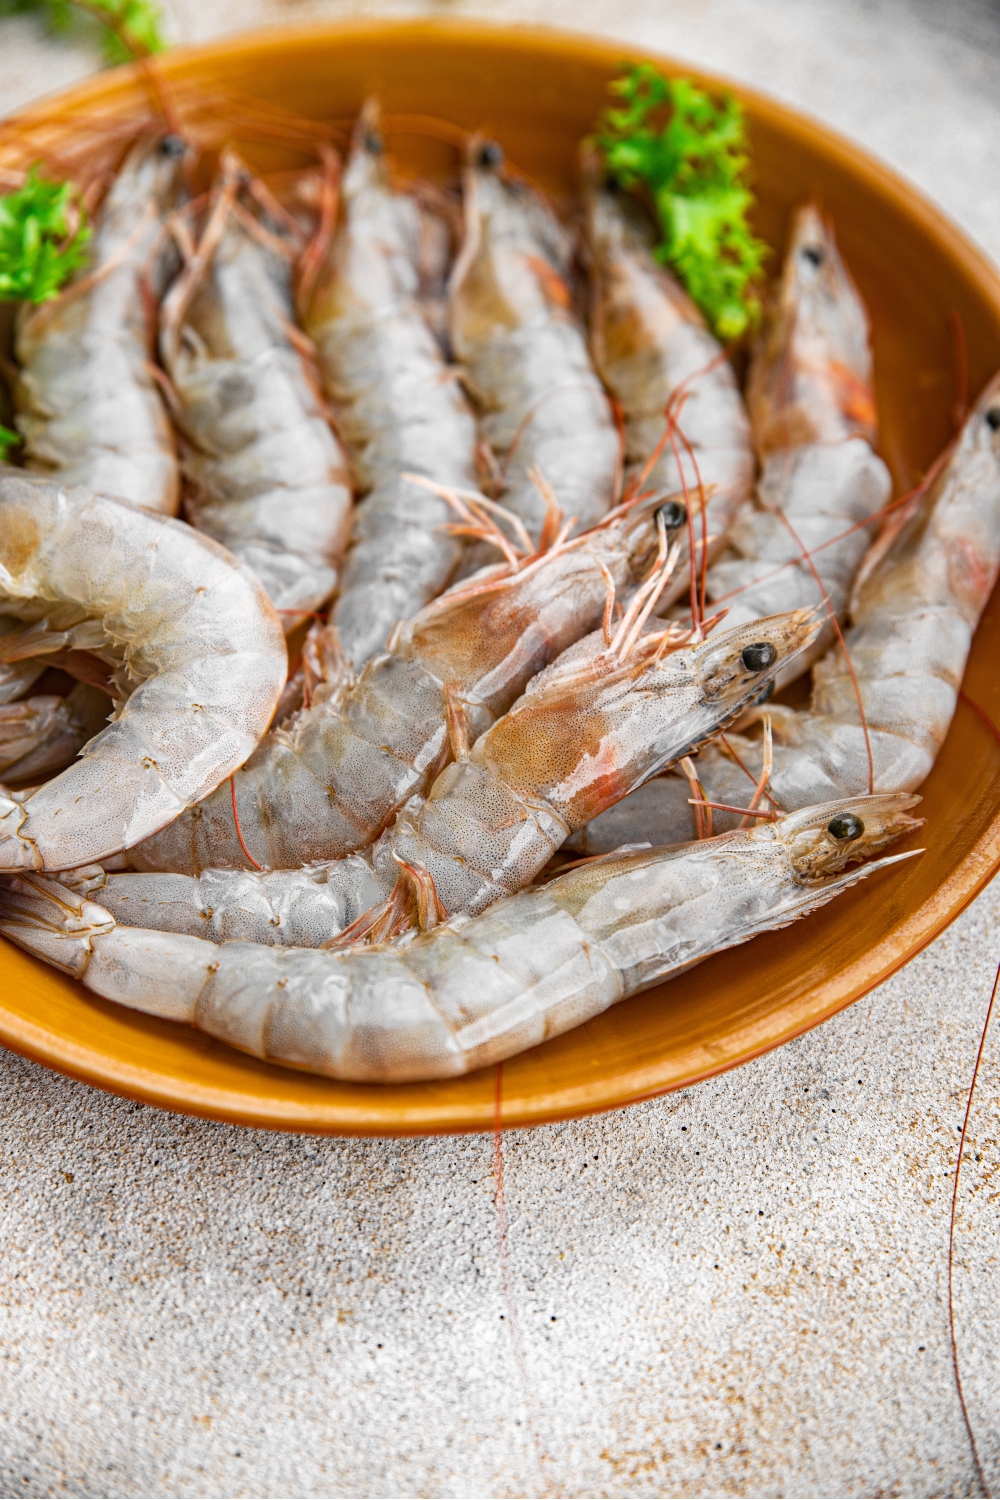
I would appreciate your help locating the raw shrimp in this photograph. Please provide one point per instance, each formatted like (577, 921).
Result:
(42, 734)
(589, 729)
(523, 356)
(656, 356)
(473, 991)
(193, 645)
(813, 415)
(916, 604)
(329, 781)
(399, 409)
(87, 404)
(268, 478)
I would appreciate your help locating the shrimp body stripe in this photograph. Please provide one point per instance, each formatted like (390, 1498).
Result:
(203, 655)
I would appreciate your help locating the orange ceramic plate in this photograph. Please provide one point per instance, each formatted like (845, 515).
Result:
(539, 92)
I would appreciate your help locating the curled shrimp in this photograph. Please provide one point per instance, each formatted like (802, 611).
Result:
(880, 712)
(592, 726)
(523, 355)
(686, 428)
(42, 734)
(332, 778)
(473, 991)
(87, 403)
(194, 650)
(399, 409)
(812, 409)
(267, 476)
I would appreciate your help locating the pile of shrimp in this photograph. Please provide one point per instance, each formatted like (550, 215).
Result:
(394, 582)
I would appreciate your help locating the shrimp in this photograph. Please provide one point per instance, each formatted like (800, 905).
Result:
(42, 734)
(589, 729)
(331, 779)
(177, 620)
(916, 603)
(268, 477)
(399, 409)
(88, 406)
(662, 366)
(800, 541)
(473, 991)
(522, 353)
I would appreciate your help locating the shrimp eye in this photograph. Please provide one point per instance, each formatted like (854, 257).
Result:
(490, 155)
(172, 146)
(674, 514)
(759, 656)
(845, 827)
(373, 143)
(813, 255)
(993, 418)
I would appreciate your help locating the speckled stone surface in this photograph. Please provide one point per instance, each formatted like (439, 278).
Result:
(740, 1289)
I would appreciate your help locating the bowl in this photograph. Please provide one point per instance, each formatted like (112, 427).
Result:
(538, 92)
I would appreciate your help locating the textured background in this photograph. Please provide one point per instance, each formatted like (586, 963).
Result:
(740, 1289)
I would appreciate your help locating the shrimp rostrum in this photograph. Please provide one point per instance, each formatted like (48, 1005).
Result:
(195, 654)
(473, 991)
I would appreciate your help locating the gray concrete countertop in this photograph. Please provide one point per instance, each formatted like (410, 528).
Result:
(738, 1289)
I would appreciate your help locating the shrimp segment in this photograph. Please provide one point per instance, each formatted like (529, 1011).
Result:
(268, 478)
(330, 780)
(87, 404)
(813, 414)
(915, 607)
(523, 356)
(653, 352)
(198, 663)
(472, 992)
(399, 409)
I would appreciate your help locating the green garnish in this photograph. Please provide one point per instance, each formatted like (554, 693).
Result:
(689, 151)
(128, 28)
(8, 440)
(43, 234)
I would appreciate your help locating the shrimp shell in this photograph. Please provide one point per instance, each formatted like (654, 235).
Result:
(399, 409)
(200, 654)
(522, 353)
(87, 404)
(652, 350)
(268, 477)
(915, 607)
(474, 991)
(821, 483)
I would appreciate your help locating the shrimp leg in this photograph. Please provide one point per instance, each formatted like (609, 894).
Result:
(471, 992)
(399, 408)
(87, 404)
